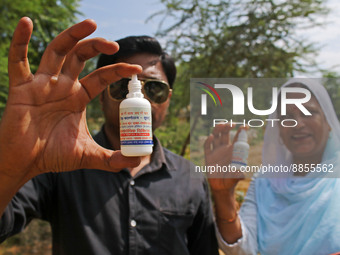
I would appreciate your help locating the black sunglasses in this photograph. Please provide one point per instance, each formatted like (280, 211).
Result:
(155, 90)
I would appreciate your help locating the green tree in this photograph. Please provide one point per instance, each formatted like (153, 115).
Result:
(50, 17)
(247, 38)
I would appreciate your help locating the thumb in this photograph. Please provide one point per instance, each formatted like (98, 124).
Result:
(97, 157)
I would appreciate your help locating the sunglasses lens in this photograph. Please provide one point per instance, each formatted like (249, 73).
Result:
(119, 89)
(156, 91)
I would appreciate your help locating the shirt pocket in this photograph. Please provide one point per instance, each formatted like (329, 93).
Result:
(173, 226)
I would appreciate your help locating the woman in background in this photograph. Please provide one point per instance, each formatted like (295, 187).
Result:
(297, 214)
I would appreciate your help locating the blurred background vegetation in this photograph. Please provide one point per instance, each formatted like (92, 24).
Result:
(210, 39)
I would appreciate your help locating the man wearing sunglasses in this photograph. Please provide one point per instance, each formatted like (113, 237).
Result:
(161, 208)
(147, 206)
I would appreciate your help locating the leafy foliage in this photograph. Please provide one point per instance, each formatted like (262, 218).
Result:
(50, 17)
(35, 239)
(247, 38)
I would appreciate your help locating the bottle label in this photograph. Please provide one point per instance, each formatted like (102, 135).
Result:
(135, 126)
(240, 156)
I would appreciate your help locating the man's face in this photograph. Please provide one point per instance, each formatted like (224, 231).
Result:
(152, 69)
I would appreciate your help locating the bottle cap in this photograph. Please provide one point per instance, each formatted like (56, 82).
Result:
(135, 87)
(242, 136)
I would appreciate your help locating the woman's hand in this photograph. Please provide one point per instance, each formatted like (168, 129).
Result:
(218, 152)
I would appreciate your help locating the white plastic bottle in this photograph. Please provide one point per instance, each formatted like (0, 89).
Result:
(240, 150)
(135, 122)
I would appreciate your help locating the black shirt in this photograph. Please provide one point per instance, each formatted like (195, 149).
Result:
(161, 210)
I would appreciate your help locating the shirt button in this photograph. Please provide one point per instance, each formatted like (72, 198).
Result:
(132, 182)
(133, 223)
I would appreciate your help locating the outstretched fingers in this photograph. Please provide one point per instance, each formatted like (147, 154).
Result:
(98, 80)
(221, 135)
(208, 149)
(18, 65)
(84, 50)
(55, 53)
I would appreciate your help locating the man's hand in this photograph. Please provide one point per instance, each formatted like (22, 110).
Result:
(43, 128)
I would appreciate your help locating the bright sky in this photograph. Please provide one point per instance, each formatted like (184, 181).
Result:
(120, 18)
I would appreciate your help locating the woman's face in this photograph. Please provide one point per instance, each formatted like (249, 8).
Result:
(307, 140)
